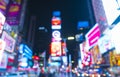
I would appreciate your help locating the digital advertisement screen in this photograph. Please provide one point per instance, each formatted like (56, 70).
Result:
(93, 35)
(105, 43)
(3, 6)
(56, 23)
(56, 49)
(82, 24)
(10, 42)
(116, 37)
(26, 51)
(14, 11)
(96, 56)
(111, 10)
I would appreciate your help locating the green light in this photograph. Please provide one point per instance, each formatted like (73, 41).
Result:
(41, 64)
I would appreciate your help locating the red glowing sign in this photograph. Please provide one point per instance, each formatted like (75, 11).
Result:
(36, 57)
(93, 35)
(64, 49)
(56, 23)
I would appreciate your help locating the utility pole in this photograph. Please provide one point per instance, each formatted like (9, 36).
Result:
(70, 63)
(44, 59)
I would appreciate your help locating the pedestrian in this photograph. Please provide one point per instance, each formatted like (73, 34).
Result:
(42, 73)
(49, 73)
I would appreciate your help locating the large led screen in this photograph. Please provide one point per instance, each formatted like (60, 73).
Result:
(56, 49)
(105, 43)
(111, 10)
(10, 42)
(115, 33)
(92, 36)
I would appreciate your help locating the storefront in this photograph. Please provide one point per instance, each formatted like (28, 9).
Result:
(116, 40)
(112, 47)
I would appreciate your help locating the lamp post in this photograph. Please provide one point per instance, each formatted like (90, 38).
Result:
(69, 57)
(65, 39)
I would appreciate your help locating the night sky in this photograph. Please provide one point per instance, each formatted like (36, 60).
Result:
(72, 11)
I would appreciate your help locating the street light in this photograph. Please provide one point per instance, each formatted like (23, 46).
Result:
(71, 38)
(68, 38)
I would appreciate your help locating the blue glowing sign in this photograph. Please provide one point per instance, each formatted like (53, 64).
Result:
(82, 24)
(56, 13)
(26, 51)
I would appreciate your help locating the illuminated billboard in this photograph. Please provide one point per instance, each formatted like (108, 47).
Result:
(2, 21)
(115, 33)
(111, 10)
(93, 35)
(64, 48)
(3, 6)
(56, 49)
(14, 12)
(96, 56)
(85, 54)
(56, 34)
(56, 23)
(105, 43)
(26, 51)
(10, 42)
(82, 24)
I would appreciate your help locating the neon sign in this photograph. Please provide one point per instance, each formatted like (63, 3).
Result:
(56, 23)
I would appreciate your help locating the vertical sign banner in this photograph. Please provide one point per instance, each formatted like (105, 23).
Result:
(93, 35)
(96, 56)
(85, 54)
(10, 42)
(56, 48)
(64, 48)
(13, 14)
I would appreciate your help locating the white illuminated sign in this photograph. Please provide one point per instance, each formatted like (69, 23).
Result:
(111, 10)
(116, 37)
(2, 21)
(56, 34)
(10, 42)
